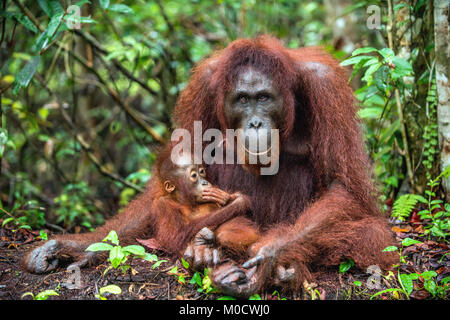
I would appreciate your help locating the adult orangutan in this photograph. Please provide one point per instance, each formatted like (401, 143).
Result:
(318, 209)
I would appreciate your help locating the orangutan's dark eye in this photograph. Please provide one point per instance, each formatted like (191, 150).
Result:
(243, 99)
(194, 176)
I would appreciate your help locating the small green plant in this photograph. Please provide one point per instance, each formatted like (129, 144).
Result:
(346, 265)
(436, 219)
(24, 216)
(41, 295)
(404, 204)
(277, 294)
(111, 289)
(203, 281)
(74, 205)
(118, 256)
(255, 297)
(439, 225)
(406, 281)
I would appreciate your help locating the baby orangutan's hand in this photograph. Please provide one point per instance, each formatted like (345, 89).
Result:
(216, 195)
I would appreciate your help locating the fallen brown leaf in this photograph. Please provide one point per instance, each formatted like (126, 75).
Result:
(419, 295)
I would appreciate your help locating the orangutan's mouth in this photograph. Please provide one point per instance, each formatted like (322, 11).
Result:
(257, 153)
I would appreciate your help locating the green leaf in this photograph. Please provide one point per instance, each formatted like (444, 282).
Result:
(355, 60)
(122, 8)
(24, 77)
(226, 298)
(3, 141)
(445, 280)
(112, 237)
(414, 276)
(386, 291)
(402, 68)
(104, 4)
(196, 279)
(158, 263)
(150, 257)
(112, 288)
(344, 266)
(26, 22)
(363, 50)
(99, 246)
(430, 286)
(7, 220)
(408, 242)
(116, 256)
(255, 297)
(357, 283)
(185, 263)
(427, 275)
(406, 283)
(386, 53)
(391, 248)
(45, 294)
(135, 249)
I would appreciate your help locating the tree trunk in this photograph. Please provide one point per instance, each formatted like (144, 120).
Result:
(441, 8)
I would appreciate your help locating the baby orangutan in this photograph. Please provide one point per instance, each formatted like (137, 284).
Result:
(189, 208)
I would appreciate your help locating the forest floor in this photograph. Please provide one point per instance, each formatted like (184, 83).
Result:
(142, 282)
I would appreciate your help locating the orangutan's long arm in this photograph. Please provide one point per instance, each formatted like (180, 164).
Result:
(136, 221)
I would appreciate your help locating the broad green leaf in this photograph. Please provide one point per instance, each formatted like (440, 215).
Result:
(135, 249)
(112, 288)
(414, 276)
(355, 60)
(185, 263)
(45, 294)
(255, 297)
(408, 242)
(158, 263)
(116, 256)
(402, 68)
(150, 257)
(363, 50)
(196, 279)
(104, 4)
(24, 77)
(386, 291)
(427, 275)
(344, 266)
(99, 247)
(430, 286)
(26, 22)
(112, 237)
(387, 134)
(386, 53)
(7, 220)
(370, 113)
(3, 141)
(406, 283)
(391, 248)
(122, 8)
(226, 298)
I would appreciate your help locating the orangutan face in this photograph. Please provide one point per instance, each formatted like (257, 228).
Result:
(254, 105)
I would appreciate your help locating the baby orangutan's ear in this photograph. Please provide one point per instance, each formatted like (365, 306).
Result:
(169, 186)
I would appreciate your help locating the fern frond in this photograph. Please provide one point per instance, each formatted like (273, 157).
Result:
(404, 204)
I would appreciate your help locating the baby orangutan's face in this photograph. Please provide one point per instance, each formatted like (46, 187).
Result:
(188, 178)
